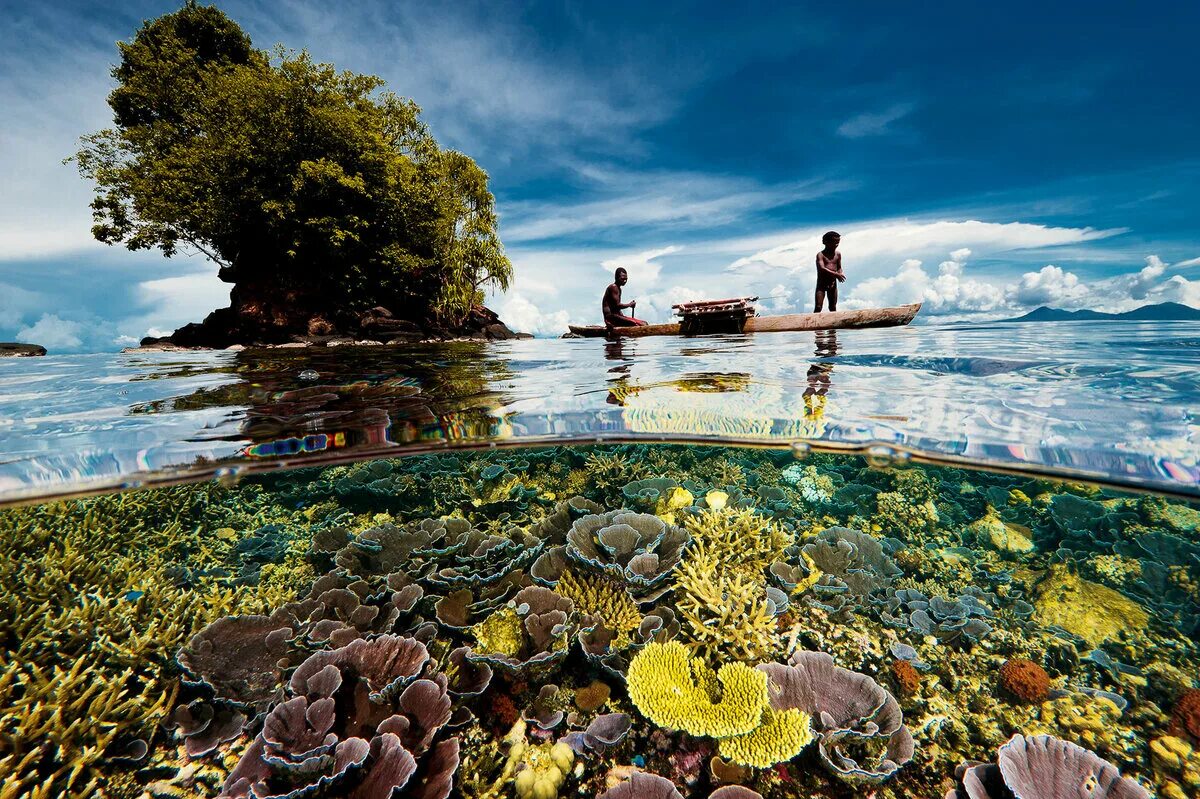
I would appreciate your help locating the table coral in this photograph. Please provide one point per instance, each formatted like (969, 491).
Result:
(782, 735)
(676, 690)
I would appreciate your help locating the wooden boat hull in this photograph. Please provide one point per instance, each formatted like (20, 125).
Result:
(830, 320)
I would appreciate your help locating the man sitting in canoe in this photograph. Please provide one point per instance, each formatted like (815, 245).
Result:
(829, 271)
(612, 306)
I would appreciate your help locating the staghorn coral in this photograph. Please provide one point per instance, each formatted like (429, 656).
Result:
(91, 615)
(677, 691)
(741, 541)
(722, 612)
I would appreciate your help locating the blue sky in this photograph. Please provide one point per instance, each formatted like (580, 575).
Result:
(984, 158)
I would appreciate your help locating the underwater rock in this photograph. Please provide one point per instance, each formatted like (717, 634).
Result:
(845, 707)
(1044, 767)
(1089, 610)
(1002, 536)
(1024, 681)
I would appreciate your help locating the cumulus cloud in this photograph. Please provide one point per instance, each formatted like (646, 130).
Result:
(656, 306)
(1144, 280)
(642, 266)
(170, 302)
(53, 333)
(874, 123)
(522, 315)
(1050, 285)
(947, 292)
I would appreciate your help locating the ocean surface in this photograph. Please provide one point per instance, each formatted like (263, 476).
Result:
(957, 562)
(1107, 400)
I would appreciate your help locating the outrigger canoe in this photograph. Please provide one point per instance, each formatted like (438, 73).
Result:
(830, 320)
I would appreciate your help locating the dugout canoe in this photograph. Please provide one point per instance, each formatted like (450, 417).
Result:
(830, 320)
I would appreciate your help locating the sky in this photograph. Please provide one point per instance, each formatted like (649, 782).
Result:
(982, 158)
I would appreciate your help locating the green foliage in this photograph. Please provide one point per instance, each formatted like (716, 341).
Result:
(289, 174)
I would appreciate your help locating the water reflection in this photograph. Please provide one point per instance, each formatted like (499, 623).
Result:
(1044, 396)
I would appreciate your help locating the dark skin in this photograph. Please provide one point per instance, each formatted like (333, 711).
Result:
(830, 265)
(612, 305)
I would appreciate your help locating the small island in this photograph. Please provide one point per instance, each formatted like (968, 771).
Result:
(320, 196)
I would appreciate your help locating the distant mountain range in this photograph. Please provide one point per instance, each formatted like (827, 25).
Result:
(1163, 311)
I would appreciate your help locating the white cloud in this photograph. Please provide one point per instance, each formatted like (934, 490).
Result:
(947, 292)
(906, 239)
(174, 301)
(643, 267)
(873, 123)
(15, 304)
(1187, 263)
(53, 333)
(1144, 280)
(1051, 286)
(523, 316)
(654, 199)
(656, 306)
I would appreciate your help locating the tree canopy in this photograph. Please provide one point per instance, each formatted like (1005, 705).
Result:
(312, 183)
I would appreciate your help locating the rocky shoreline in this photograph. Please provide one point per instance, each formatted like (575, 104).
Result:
(222, 330)
(14, 349)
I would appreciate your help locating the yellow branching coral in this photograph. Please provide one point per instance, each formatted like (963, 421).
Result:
(601, 597)
(664, 685)
(721, 611)
(740, 540)
(500, 633)
(780, 737)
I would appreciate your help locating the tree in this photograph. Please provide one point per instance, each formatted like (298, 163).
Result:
(317, 192)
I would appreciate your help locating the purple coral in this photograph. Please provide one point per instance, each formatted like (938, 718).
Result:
(642, 785)
(1044, 767)
(238, 656)
(846, 707)
(607, 729)
(346, 732)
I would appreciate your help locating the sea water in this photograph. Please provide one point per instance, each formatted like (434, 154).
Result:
(574, 569)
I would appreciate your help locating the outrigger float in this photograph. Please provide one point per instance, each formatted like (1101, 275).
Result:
(738, 315)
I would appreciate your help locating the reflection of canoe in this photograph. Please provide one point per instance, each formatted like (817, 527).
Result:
(867, 317)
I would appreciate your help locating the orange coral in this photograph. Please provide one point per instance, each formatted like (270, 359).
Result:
(1185, 717)
(1025, 681)
(906, 677)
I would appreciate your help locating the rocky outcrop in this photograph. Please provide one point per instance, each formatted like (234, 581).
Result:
(12, 349)
(258, 323)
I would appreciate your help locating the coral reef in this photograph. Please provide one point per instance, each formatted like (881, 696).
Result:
(570, 621)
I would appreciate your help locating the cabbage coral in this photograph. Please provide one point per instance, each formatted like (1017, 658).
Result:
(677, 691)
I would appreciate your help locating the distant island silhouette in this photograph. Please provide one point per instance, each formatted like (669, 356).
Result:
(1160, 312)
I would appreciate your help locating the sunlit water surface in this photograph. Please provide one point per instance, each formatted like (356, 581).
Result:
(1106, 399)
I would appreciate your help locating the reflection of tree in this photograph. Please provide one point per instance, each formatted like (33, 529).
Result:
(691, 383)
(374, 395)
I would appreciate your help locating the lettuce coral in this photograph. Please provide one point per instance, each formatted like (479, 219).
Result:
(675, 690)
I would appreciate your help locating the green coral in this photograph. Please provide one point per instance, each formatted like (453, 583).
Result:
(600, 597)
(676, 690)
(781, 736)
(739, 541)
(500, 633)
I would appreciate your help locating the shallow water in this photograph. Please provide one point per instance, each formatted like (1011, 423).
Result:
(1110, 400)
(462, 612)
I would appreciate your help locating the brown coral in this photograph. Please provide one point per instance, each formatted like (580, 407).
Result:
(906, 677)
(1025, 681)
(1185, 716)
